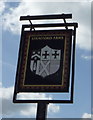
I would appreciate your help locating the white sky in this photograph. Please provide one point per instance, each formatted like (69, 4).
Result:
(26, 8)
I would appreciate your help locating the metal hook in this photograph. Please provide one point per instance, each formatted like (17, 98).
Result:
(65, 22)
(31, 26)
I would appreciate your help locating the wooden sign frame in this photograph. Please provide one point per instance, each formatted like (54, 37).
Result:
(24, 77)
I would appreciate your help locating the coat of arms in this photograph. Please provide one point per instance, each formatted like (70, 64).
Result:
(45, 61)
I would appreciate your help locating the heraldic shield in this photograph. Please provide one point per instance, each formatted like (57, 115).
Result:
(45, 62)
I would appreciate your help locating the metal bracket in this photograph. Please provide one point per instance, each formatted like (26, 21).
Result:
(32, 28)
(65, 23)
(42, 104)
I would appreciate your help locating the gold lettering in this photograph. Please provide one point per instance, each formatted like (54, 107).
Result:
(47, 37)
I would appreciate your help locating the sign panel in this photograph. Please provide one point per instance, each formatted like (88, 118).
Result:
(44, 61)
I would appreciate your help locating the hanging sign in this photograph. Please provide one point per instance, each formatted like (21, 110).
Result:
(44, 61)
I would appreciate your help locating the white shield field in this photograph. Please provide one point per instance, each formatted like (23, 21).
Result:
(46, 61)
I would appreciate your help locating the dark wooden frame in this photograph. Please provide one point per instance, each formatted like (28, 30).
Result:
(64, 87)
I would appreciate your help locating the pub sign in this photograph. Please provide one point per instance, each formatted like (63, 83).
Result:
(44, 61)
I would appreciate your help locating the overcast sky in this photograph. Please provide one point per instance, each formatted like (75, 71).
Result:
(9, 44)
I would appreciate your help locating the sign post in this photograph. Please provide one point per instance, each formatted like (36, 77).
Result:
(46, 60)
(41, 111)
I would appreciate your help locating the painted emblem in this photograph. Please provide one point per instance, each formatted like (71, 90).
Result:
(46, 61)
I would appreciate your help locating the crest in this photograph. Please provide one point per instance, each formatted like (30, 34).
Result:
(46, 61)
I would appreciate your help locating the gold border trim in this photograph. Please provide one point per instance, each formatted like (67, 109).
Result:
(65, 61)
